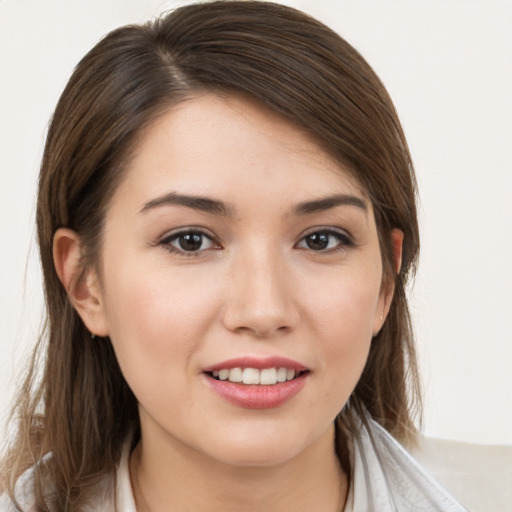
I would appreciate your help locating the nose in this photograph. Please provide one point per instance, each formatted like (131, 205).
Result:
(261, 302)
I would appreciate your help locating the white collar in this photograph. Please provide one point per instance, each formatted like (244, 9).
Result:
(384, 478)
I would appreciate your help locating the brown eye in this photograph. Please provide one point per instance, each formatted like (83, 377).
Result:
(318, 241)
(324, 240)
(188, 241)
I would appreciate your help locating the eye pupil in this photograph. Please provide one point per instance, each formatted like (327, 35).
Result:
(317, 241)
(191, 241)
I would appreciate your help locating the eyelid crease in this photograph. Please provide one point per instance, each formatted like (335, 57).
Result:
(345, 240)
(329, 229)
(343, 236)
(166, 243)
(183, 231)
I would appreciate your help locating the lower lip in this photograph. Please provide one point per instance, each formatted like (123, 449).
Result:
(257, 396)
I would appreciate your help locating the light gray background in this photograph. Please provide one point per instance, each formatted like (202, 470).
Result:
(447, 65)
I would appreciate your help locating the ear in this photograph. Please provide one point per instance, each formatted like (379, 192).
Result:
(83, 288)
(388, 285)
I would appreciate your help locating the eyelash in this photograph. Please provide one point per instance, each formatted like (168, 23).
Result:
(166, 242)
(344, 241)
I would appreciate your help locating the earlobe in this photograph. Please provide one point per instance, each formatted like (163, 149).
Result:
(82, 287)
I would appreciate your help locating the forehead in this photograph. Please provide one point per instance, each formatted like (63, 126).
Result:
(226, 145)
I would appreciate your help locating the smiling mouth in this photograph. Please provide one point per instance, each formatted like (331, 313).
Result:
(252, 376)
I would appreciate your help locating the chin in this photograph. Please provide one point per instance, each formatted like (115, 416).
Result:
(261, 447)
(256, 456)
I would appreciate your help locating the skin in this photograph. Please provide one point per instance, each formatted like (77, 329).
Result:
(254, 288)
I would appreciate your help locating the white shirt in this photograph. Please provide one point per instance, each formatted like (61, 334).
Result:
(385, 478)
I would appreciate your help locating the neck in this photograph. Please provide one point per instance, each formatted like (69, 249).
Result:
(181, 479)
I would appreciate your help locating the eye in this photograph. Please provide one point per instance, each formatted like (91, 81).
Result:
(324, 240)
(188, 242)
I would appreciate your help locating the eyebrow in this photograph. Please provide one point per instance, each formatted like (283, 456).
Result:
(215, 207)
(326, 203)
(203, 204)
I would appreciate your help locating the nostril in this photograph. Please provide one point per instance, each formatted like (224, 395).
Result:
(261, 311)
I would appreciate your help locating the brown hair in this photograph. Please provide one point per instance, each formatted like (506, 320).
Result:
(82, 410)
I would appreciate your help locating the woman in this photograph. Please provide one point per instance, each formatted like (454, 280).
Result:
(226, 220)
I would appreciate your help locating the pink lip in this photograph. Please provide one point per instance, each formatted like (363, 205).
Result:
(258, 363)
(257, 396)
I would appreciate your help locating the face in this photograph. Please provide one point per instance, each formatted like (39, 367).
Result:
(235, 249)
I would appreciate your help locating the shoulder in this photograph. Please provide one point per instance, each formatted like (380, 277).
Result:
(24, 494)
(6, 504)
(111, 492)
(386, 477)
(480, 476)
(100, 495)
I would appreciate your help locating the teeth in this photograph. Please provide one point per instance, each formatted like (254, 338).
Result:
(250, 376)
(268, 376)
(265, 377)
(281, 374)
(236, 375)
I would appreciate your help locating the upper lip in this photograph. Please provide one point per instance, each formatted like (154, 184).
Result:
(259, 363)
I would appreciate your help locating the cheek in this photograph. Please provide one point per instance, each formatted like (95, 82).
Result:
(157, 318)
(342, 319)
(346, 304)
